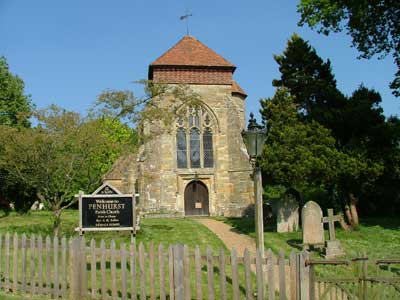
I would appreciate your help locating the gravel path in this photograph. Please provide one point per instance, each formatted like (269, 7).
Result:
(229, 236)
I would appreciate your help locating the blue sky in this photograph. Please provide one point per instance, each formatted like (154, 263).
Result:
(67, 52)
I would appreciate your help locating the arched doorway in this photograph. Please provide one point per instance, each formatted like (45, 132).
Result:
(196, 199)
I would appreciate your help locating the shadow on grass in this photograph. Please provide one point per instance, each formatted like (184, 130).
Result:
(394, 270)
(162, 227)
(37, 229)
(295, 243)
(387, 223)
(246, 225)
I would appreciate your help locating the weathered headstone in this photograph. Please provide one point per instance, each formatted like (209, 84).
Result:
(333, 248)
(311, 218)
(287, 214)
(37, 205)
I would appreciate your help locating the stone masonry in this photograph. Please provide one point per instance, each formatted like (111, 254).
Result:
(159, 182)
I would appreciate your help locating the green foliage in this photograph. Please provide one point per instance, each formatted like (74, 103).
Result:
(311, 81)
(62, 155)
(15, 107)
(357, 162)
(372, 24)
(15, 110)
(387, 186)
(66, 153)
(160, 105)
(297, 153)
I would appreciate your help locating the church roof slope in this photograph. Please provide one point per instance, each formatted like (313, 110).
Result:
(191, 52)
(236, 89)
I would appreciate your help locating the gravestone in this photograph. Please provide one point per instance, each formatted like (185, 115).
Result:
(333, 248)
(37, 205)
(287, 214)
(311, 218)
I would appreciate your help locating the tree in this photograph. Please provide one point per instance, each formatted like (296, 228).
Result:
(15, 110)
(369, 133)
(311, 81)
(372, 24)
(15, 107)
(364, 122)
(297, 153)
(66, 153)
(63, 154)
(387, 187)
(303, 154)
(357, 122)
(160, 104)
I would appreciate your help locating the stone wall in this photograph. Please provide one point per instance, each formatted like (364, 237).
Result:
(162, 184)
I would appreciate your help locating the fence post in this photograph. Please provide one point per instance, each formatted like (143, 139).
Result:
(364, 271)
(75, 270)
(304, 276)
(178, 272)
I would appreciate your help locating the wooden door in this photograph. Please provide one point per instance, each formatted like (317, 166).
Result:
(196, 199)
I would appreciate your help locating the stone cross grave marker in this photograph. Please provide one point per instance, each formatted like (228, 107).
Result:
(287, 214)
(331, 219)
(313, 229)
(333, 247)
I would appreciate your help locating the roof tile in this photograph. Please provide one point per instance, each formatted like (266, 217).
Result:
(191, 52)
(237, 89)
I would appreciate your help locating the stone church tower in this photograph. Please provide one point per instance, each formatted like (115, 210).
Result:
(200, 167)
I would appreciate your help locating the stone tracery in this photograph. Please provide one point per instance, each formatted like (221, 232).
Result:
(194, 139)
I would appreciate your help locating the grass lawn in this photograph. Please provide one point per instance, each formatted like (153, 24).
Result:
(25, 297)
(378, 237)
(163, 230)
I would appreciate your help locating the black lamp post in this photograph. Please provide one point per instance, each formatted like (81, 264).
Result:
(254, 139)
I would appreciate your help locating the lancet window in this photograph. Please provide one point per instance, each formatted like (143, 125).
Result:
(194, 140)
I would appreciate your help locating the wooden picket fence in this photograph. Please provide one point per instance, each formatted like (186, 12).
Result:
(74, 269)
(360, 278)
(36, 267)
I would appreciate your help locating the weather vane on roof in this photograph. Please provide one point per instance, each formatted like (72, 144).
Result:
(186, 17)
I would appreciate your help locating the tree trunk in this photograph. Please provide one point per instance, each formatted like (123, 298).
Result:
(348, 214)
(353, 209)
(56, 221)
(343, 223)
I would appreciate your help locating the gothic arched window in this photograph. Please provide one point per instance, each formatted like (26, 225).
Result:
(194, 137)
(181, 152)
(208, 149)
(194, 148)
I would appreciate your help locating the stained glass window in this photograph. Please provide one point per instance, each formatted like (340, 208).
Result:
(181, 151)
(190, 120)
(194, 138)
(208, 154)
(194, 148)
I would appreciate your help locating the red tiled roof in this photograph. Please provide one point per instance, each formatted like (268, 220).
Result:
(191, 52)
(237, 89)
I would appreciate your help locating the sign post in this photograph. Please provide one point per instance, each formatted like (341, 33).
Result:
(110, 211)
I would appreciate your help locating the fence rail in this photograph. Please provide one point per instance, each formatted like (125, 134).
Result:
(359, 278)
(61, 268)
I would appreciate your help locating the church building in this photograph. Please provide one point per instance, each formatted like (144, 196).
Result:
(200, 166)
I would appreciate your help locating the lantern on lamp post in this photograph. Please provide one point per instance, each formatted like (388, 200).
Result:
(254, 138)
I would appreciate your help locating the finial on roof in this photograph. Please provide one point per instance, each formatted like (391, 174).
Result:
(186, 17)
(252, 122)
